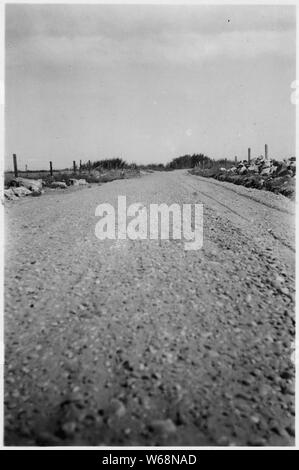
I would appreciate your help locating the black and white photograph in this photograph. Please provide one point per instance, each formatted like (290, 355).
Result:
(148, 202)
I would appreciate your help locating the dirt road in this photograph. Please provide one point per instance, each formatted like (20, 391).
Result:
(141, 342)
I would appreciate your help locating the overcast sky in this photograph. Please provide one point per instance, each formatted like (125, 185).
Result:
(147, 83)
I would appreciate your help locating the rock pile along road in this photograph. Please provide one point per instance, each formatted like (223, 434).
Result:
(121, 342)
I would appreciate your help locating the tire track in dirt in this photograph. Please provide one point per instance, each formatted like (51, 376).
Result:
(277, 237)
(244, 192)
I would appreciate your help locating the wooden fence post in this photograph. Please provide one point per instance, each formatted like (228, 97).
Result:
(266, 152)
(80, 165)
(249, 155)
(15, 165)
(74, 167)
(89, 166)
(225, 163)
(51, 169)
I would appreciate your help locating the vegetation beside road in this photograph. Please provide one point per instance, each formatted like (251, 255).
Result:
(278, 177)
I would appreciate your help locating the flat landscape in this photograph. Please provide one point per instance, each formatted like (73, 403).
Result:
(122, 342)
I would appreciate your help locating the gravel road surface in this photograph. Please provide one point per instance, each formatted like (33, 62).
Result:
(122, 342)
